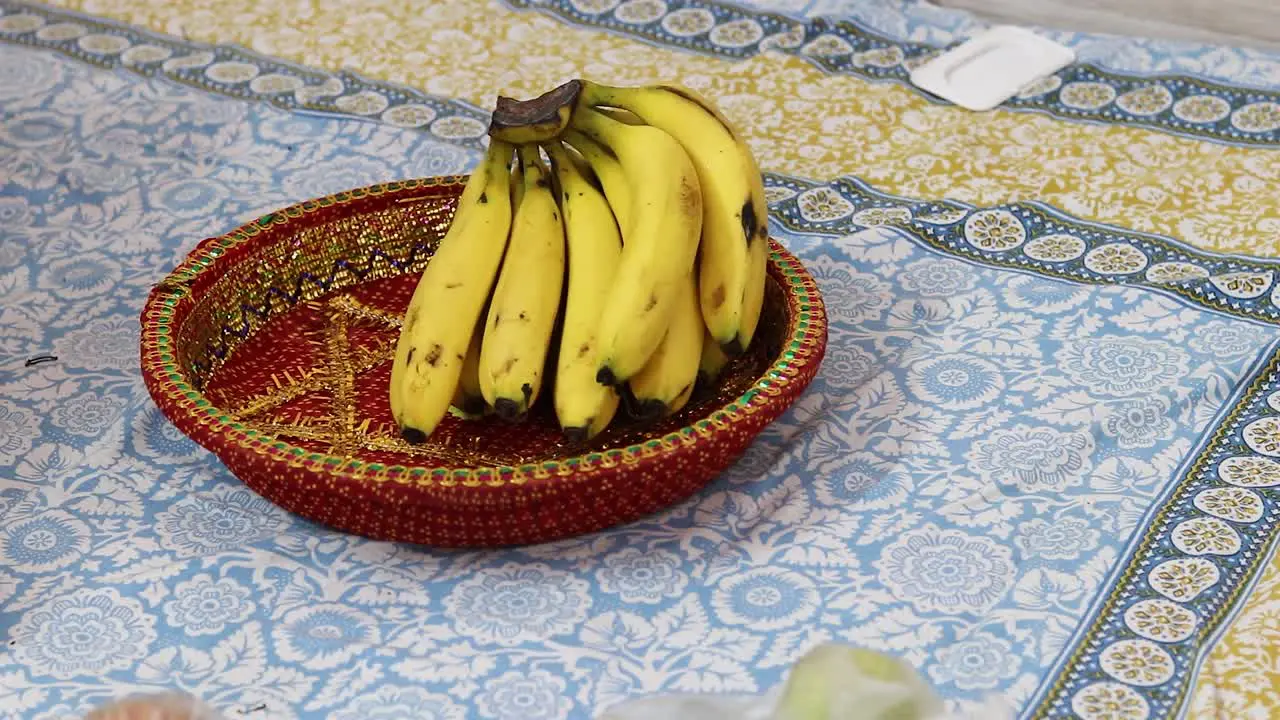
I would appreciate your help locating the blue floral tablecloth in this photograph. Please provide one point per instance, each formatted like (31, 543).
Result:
(1038, 460)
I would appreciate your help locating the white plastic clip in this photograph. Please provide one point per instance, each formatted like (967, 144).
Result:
(991, 67)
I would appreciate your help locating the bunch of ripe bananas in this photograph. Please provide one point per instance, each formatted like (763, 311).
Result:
(612, 243)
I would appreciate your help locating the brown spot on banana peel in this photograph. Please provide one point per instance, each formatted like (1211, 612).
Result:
(408, 360)
(582, 351)
(717, 296)
(452, 285)
(506, 367)
(433, 355)
(653, 303)
(484, 198)
(690, 198)
(751, 225)
(527, 390)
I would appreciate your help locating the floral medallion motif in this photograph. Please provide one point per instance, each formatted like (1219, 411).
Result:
(1115, 259)
(509, 605)
(231, 72)
(1065, 538)
(864, 481)
(1146, 101)
(978, 662)
(1263, 436)
(1121, 365)
(956, 382)
(1234, 504)
(1160, 620)
(937, 277)
(86, 633)
(204, 606)
(324, 636)
(737, 33)
(994, 230)
(1137, 662)
(1110, 701)
(1175, 272)
(827, 46)
(1055, 248)
(943, 217)
(524, 695)
(1248, 471)
(1201, 109)
(946, 571)
(362, 103)
(640, 12)
(1139, 423)
(43, 543)
(1259, 117)
(1182, 579)
(822, 205)
(881, 216)
(765, 599)
(1206, 536)
(688, 22)
(1039, 88)
(1243, 285)
(1087, 95)
(642, 577)
(1033, 459)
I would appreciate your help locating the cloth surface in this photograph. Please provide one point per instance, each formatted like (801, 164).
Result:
(1038, 461)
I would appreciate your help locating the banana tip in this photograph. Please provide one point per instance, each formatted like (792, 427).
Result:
(507, 409)
(473, 406)
(606, 377)
(734, 347)
(648, 410)
(576, 435)
(413, 436)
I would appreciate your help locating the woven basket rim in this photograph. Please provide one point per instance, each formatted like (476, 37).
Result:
(803, 344)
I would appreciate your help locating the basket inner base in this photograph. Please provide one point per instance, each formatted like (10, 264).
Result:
(316, 376)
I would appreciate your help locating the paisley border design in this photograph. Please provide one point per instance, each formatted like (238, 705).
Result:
(1036, 237)
(1177, 104)
(1118, 660)
(1202, 549)
(239, 73)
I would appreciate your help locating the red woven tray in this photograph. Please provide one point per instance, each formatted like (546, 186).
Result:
(270, 346)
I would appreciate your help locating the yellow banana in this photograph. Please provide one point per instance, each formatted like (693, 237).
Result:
(660, 241)
(735, 234)
(713, 360)
(584, 407)
(604, 165)
(526, 299)
(447, 301)
(665, 382)
(517, 183)
(468, 401)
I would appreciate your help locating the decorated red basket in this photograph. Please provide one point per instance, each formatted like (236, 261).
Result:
(271, 345)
